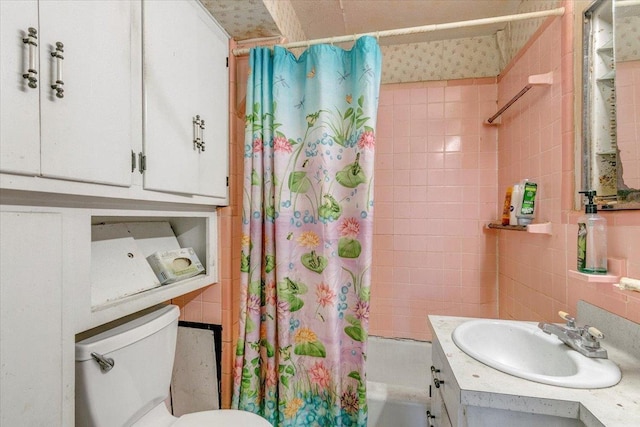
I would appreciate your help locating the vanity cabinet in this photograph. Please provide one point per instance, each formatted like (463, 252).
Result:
(185, 99)
(445, 393)
(70, 81)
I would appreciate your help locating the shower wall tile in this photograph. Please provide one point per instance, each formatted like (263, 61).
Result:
(431, 252)
(536, 140)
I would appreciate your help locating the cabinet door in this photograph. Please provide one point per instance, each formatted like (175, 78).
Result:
(88, 134)
(31, 383)
(19, 110)
(185, 76)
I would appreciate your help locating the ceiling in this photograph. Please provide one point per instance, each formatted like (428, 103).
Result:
(326, 18)
(250, 19)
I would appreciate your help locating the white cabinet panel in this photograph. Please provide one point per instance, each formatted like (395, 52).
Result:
(88, 134)
(19, 115)
(31, 383)
(185, 75)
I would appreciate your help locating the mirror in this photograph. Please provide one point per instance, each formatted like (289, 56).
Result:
(611, 103)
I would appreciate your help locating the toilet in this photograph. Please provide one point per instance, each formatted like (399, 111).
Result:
(123, 376)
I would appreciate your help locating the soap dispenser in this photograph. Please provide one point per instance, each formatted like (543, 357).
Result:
(592, 238)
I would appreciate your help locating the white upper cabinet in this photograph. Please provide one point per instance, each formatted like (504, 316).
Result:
(122, 100)
(86, 128)
(185, 83)
(19, 114)
(88, 135)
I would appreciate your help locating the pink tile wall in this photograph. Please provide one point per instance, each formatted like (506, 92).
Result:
(435, 188)
(536, 141)
(532, 268)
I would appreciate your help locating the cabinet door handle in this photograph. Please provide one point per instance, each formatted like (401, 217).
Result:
(197, 142)
(430, 418)
(59, 84)
(436, 380)
(32, 44)
(202, 134)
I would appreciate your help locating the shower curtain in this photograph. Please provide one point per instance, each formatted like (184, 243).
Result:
(307, 231)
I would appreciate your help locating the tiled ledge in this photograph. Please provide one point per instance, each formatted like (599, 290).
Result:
(617, 267)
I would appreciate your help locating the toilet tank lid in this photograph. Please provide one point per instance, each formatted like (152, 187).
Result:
(127, 333)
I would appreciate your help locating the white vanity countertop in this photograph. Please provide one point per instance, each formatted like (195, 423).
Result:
(481, 385)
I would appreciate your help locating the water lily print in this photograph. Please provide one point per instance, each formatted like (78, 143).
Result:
(307, 217)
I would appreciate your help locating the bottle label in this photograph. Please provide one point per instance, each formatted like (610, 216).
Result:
(528, 198)
(582, 246)
(506, 207)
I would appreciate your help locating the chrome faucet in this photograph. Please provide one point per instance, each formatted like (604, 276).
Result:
(584, 340)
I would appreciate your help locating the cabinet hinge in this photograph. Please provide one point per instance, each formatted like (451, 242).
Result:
(227, 181)
(227, 62)
(133, 161)
(142, 160)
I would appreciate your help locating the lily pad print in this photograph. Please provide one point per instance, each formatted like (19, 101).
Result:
(349, 248)
(330, 209)
(348, 245)
(308, 344)
(298, 182)
(356, 332)
(314, 262)
(351, 175)
(288, 290)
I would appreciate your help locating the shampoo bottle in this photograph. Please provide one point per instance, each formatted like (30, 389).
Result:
(592, 239)
(506, 209)
(526, 208)
(516, 197)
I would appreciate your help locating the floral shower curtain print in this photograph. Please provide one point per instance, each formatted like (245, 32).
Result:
(307, 231)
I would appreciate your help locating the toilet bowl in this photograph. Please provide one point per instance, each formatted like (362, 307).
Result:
(123, 376)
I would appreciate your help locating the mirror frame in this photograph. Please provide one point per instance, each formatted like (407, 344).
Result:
(601, 171)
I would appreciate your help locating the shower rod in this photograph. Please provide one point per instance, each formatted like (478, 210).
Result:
(415, 30)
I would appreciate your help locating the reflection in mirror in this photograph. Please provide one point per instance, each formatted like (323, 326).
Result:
(627, 59)
(611, 103)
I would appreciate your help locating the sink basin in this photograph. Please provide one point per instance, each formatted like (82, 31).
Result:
(523, 350)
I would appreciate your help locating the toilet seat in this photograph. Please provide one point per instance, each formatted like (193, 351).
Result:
(221, 418)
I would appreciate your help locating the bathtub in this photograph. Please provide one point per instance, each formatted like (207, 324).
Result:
(398, 382)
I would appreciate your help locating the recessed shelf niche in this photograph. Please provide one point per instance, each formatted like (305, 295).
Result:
(122, 281)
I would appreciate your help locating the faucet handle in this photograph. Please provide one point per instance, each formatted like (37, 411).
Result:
(590, 337)
(594, 333)
(571, 321)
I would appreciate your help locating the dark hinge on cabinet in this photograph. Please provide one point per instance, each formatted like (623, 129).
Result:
(227, 62)
(143, 162)
(227, 181)
(133, 161)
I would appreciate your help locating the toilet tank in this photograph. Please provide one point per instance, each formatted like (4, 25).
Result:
(143, 350)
